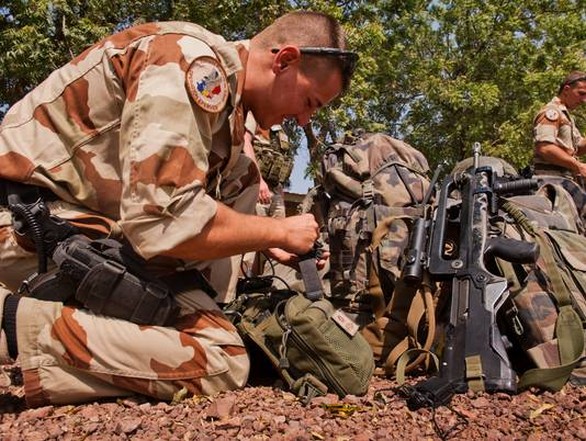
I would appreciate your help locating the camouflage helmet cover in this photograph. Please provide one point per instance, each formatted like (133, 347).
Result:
(500, 166)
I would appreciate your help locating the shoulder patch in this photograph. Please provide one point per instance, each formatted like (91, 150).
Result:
(207, 84)
(552, 114)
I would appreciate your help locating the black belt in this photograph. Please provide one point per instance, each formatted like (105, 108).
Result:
(544, 169)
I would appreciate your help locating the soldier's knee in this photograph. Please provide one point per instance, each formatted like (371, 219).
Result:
(233, 375)
(239, 370)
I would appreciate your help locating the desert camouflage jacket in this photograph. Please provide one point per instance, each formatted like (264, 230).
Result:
(554, 124)
(141, 127)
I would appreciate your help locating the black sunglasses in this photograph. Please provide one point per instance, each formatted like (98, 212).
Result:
(348, 58)
(575, 80)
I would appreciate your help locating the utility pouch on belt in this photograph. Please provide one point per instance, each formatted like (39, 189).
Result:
(103, 275)
(107, 278)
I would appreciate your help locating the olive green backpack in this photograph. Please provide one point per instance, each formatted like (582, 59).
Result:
(313, 346)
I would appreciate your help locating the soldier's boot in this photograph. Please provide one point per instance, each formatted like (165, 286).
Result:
(8, 306)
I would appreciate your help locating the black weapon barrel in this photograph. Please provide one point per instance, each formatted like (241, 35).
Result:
(517, 186)
(413, 269)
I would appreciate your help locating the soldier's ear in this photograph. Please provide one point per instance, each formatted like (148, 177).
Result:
(285, 58)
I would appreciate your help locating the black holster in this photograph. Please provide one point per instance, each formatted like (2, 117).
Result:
(107, 278)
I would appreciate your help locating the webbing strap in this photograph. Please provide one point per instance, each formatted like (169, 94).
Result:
(391, 163)
(308, 387)
(559, 288)
(405, 360)
(474, 373)
(568, 327)
(421, 306)
(509, 273)
(401, 172)
(311, 279)
(553, 378)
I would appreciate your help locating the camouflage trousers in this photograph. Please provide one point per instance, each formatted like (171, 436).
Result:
(70, 355)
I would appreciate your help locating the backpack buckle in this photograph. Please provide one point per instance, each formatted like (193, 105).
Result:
(368, 189)
(308, 387)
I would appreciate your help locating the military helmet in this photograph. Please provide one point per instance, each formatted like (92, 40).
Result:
(500, 166)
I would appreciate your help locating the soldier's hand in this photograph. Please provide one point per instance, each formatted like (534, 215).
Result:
(322, 260)
(581, 169)
(301, 233)
(283, 257)
(292, 260)
(264, 193)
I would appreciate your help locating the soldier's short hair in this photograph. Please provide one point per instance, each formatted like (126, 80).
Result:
(308, 29)
(572, 78)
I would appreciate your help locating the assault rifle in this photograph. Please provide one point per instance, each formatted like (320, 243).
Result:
(474, 355)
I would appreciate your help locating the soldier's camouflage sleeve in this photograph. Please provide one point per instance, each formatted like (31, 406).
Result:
(544, 130)
(165, 143)
(117, 130)
(552, 126)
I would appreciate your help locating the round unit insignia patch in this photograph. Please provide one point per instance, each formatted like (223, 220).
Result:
(552, 114)
(207, 84)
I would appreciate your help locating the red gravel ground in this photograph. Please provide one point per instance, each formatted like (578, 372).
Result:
(265, 413)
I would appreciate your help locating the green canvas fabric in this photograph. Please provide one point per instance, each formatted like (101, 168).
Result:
(307, 343)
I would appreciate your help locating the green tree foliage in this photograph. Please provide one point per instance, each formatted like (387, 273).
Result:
(440, 74)
(471, 70)
(37, 36)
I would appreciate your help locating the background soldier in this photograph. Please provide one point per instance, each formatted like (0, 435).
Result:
(557, 141)
(271, 152)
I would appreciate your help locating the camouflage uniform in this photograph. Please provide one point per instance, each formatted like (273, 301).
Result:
(140, 134)
(554, 124)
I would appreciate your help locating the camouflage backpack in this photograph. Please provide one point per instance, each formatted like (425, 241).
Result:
(377, 181)
(371, 193)
(547, 315)
(544, 318)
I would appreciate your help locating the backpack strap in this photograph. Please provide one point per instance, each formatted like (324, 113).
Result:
(404, 362)
(307, 388)
(408, 307)
(421, 307)
(401, 172)
(311, 279)
(391, 163)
